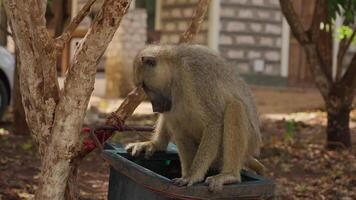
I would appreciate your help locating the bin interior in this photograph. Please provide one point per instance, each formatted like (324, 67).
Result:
(165, 163)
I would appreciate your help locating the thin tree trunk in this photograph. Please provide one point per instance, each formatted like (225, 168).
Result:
(339, 94)
(3, 25)
(20, 124)
(72, 189)
(338, 129)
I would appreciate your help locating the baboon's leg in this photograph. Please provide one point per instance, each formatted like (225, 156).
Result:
(204, 157)
(234, 146)
(186, 151)
(255, 165)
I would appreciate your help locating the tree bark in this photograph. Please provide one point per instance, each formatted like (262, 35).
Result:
(3, 26)
(338, 129)
(196, 22)
(20, 124)
(72, 189)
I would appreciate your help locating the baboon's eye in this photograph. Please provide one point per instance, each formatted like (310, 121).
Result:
(149, 61)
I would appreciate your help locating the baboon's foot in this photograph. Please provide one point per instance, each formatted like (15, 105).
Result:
(189, 181)
(216, 182)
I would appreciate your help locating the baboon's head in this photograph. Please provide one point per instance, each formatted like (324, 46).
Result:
(152, 71)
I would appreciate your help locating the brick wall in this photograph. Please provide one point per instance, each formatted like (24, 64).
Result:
(250, 30)
(175, 18)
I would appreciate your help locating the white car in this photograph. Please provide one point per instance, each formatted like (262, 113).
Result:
(7, 69)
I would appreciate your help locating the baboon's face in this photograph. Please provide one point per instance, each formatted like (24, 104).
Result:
(153, 74)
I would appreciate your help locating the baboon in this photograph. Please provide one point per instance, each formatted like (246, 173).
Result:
(206, 109)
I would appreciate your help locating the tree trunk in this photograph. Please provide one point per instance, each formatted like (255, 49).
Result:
(62, 183)
(20, 124)
(338, 129)
(3, 25)
(72, 189)
(55, 116)
(54, 177)
(338, 94)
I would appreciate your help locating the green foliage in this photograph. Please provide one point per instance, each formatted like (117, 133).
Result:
(290, 127)
(345, 32)
(345, 8)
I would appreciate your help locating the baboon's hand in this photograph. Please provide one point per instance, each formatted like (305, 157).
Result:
(148, 147)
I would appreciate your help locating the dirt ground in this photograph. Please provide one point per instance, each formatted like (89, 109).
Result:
(286, 100)
(293, 152)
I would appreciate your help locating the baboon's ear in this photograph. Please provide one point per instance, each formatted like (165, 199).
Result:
(149, 61)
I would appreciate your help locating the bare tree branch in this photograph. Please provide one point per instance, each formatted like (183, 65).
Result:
(322, 37)
(196, 21)
(294, 22)
(128, 106)
(67, 34)
(344, 46)
(315, 25)
(349, 78)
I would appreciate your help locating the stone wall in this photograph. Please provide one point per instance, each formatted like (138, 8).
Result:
(251, 30)
(175, 18)
(127, 41)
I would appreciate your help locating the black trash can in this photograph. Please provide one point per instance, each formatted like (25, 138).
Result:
(150, 179)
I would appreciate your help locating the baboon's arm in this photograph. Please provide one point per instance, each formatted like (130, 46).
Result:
(158, 142)
(161, 137)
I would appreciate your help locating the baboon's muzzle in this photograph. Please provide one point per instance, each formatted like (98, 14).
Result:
(160, 103)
